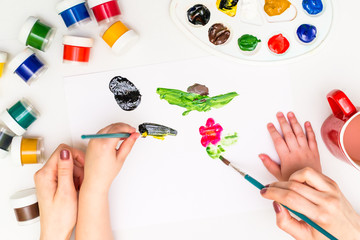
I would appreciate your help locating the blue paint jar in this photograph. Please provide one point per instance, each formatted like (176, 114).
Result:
(73, 12)
(306, 33)
(27, 66)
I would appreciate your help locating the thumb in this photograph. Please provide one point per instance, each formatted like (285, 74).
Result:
(65, 171)
(297, 229)
(271, 166)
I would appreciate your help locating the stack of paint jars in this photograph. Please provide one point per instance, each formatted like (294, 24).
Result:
(115, 34)
(38, 36)
(15, 122)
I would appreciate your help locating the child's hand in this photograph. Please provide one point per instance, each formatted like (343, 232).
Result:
(296, 150)
(56, 192)
(317, 197)
(103, 160)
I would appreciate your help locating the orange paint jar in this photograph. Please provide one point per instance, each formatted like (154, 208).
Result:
(27, 150)
(119, 37)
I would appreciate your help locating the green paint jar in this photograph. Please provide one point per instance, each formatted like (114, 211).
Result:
(20, 116)
(36, 34)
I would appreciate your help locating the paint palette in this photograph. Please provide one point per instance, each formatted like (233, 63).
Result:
(251, 34)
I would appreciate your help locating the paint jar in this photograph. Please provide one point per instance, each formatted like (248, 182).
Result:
(27, 150)
(73, 12)
(25, 205)
(77, 49)
(19, 117)
(6, 137)
(119, 37)
(27, 66)
(36, 34)
(104, 10)
(3, 57)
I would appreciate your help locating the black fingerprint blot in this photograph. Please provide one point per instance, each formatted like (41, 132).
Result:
(126, 94)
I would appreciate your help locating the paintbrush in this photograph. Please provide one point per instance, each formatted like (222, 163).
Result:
(110, 135)
(260, 186)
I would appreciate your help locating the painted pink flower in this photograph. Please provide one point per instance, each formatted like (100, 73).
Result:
(210, 133)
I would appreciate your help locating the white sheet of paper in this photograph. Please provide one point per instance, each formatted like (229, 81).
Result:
(174, 180)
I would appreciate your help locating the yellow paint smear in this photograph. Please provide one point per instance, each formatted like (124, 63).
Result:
(276, 7)
(231, 12)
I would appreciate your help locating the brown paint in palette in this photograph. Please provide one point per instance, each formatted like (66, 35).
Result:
(352, 139)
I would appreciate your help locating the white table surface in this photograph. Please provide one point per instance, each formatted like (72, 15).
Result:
(335, 66)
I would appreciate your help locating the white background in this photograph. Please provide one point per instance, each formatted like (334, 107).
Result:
(336, 66)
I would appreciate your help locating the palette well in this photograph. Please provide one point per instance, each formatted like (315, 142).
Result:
(248, 32)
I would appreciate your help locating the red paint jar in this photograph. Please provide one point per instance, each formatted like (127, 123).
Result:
(77, 49)
(104, 10)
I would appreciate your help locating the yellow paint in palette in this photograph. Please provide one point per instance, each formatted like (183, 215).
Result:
(227, 6)
(3, 57)
(27, 150)
(276, 7)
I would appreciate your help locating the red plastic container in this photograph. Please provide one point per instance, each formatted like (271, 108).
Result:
(77, 49)
(104, 10)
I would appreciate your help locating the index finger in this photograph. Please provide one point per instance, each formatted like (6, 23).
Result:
(314, 179)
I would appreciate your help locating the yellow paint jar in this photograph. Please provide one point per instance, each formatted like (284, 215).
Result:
(3, 57)
(119, 37)
(27, 150)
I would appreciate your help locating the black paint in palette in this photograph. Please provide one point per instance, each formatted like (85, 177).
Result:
(127, 96)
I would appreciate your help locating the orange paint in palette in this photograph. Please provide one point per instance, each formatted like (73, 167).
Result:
(119, 37)
(27, 150)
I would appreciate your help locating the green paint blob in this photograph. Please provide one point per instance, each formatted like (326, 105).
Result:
(194, 102)
(214, 151)
(248, 42)
(229, 139)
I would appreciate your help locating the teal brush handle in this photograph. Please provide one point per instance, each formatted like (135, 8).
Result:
(302, 216)
(110, 135)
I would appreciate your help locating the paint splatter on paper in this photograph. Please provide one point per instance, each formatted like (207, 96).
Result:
(193, 101)
(156, 130)
(212, 140)
(126, 94)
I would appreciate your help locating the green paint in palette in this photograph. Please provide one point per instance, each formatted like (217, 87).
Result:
(23, 113)
(36, 34)
(248, 42)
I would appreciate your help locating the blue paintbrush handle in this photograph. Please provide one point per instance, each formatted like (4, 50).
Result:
(302, 216)
(110, 135)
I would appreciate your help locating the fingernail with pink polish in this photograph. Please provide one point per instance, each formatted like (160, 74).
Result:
(64, 154)
(277, 207)
(263, 191)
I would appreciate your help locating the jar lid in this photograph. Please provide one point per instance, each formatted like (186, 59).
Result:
(3, 57)
(94, 3)
(78, 41)
(125, 41)
(10, 122)
(26, 29)
(23, 198)
(15, 151)
(19, 59)
(66, 4)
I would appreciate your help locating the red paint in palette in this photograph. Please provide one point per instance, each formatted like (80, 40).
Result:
(278, 44)
(104, 9)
